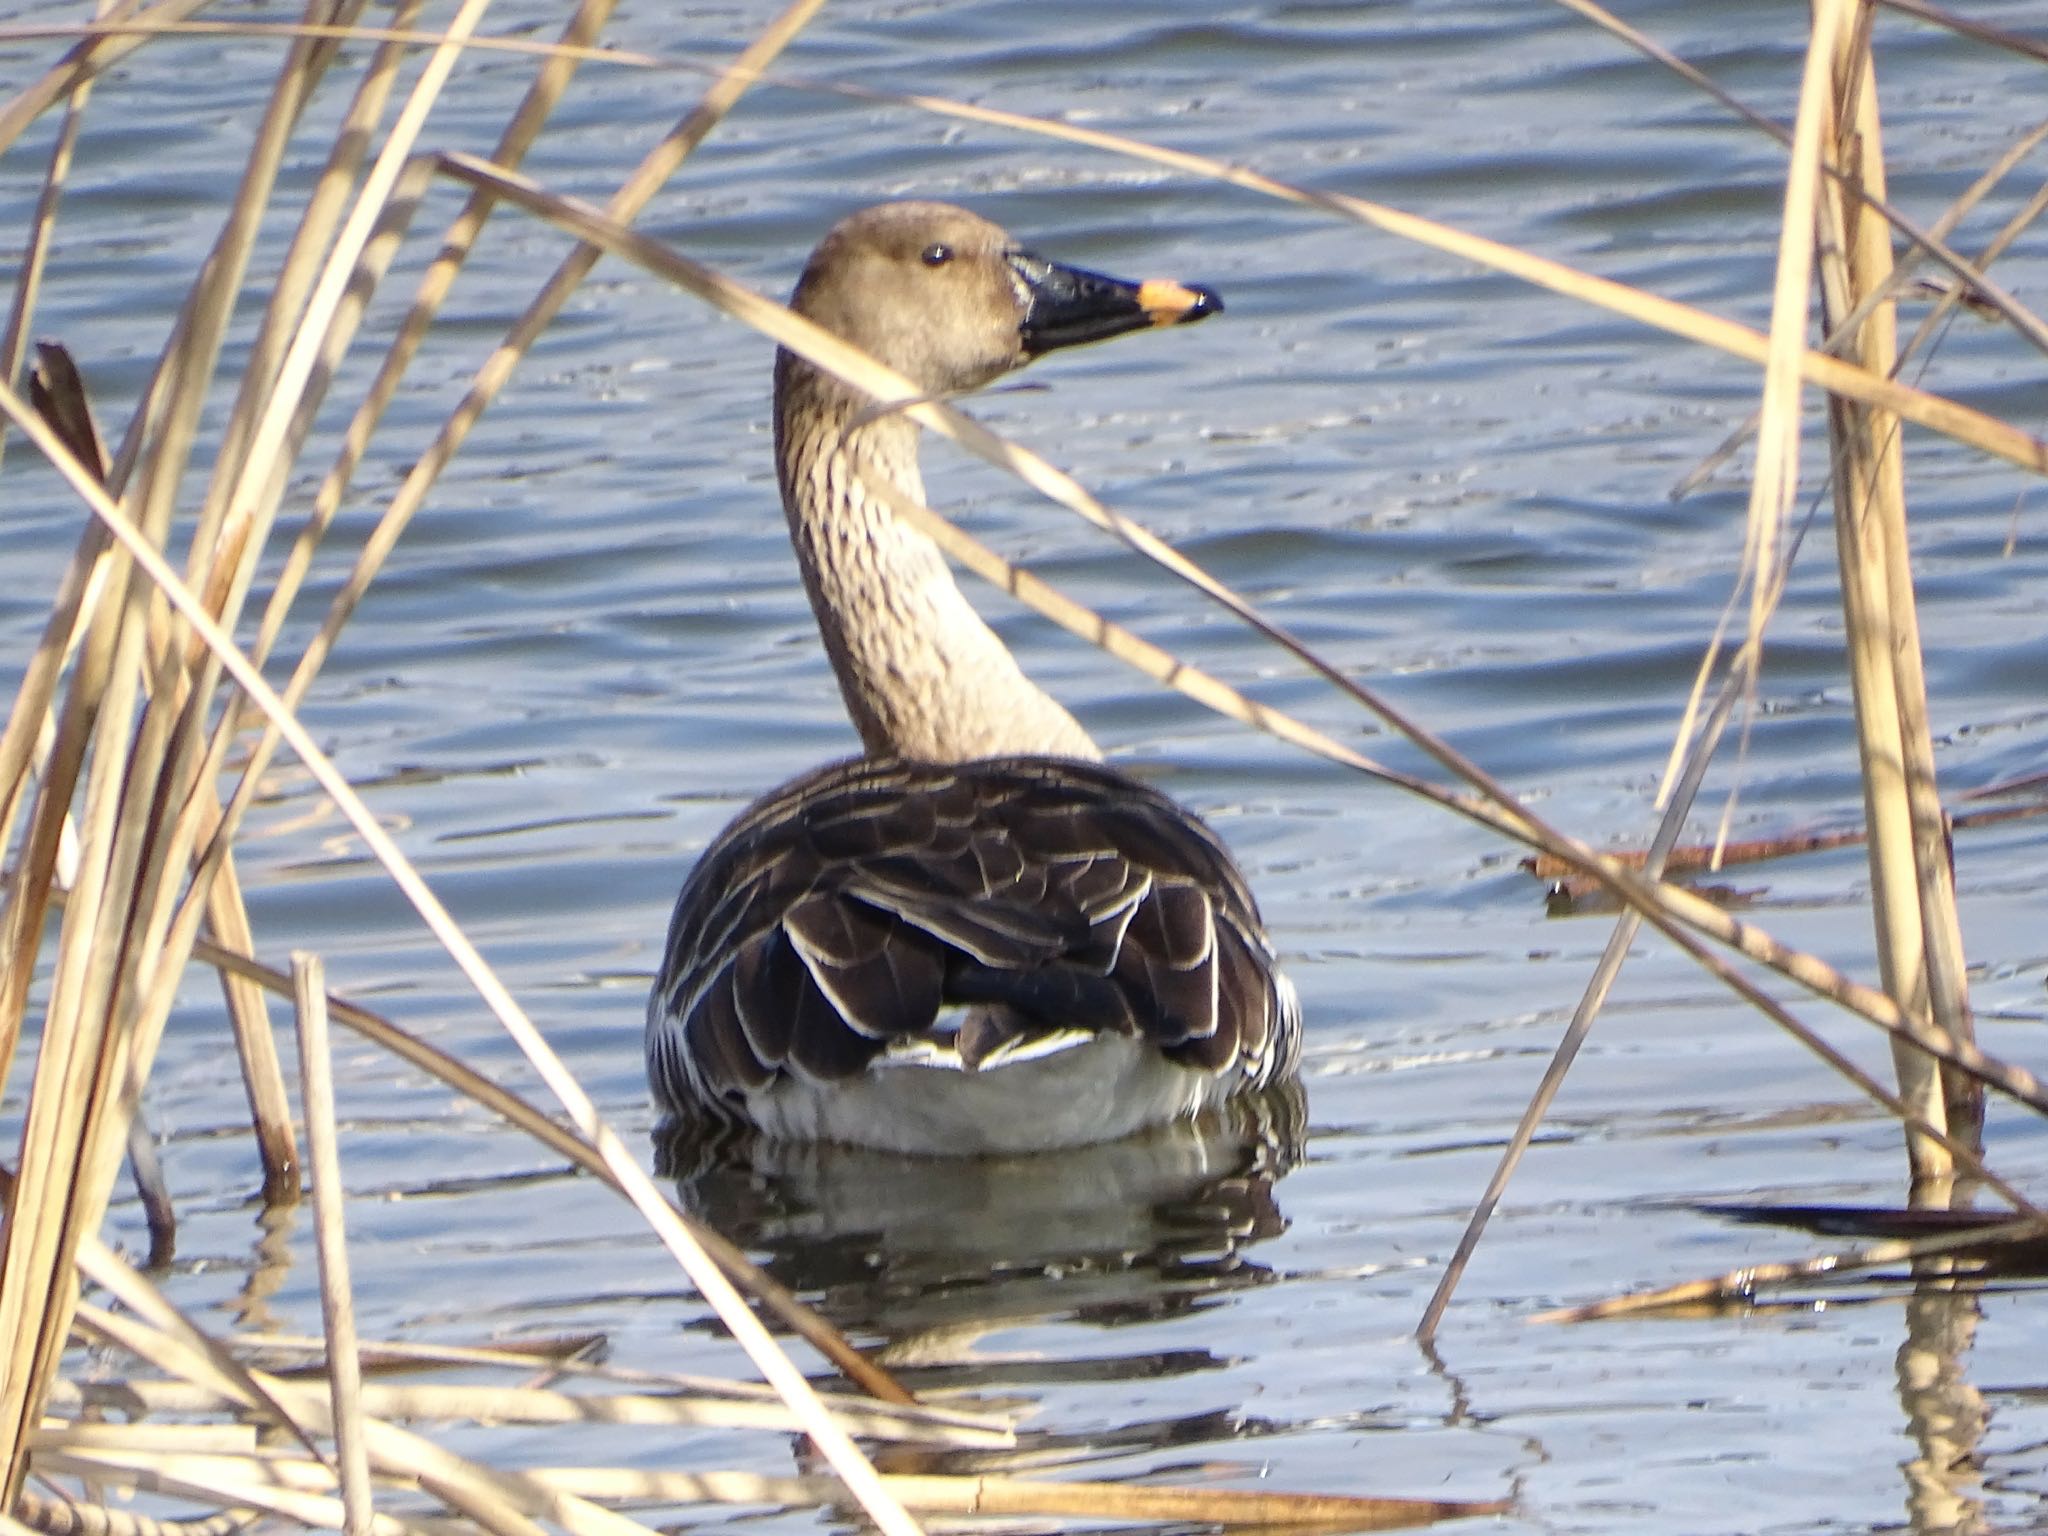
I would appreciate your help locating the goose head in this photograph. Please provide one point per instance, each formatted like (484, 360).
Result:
(951, 301)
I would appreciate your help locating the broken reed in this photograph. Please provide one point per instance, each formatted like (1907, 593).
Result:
(1919, 935)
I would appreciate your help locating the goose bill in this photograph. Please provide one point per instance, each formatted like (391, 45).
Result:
(1066, 306)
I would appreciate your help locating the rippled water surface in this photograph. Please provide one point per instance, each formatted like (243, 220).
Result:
(591, 649)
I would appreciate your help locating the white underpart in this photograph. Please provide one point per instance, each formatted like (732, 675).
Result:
(1094, 1088)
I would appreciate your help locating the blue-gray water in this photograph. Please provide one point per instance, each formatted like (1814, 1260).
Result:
(591, 649)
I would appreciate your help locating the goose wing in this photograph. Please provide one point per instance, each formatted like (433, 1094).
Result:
(844, 912)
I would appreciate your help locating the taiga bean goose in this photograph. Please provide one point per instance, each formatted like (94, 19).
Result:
(976, 938)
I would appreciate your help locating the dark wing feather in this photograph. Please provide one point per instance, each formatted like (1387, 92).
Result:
(1169, 958)
(764, 979)
(874, 973)
(849, 908)
(1002, 928)
(722, 1038)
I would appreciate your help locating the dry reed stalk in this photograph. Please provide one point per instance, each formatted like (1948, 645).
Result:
(158, 1439)
(201, 1471)
(1764, 562)
(214, 560)
(650, 176)
(1918, 935)
(61, 399)
(205, 1479)
(201, 816)
(246, 544)
(191, 366)
(1776, 477)
(648, 179)
(337, 1302)
(215, 882)
(1739, 1285)
(255, 1046)
(75, 1517)
(733, 1407)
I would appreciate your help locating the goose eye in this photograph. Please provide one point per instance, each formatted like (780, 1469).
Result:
(937, 255)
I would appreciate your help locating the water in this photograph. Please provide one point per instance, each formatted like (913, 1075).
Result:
(591, 649)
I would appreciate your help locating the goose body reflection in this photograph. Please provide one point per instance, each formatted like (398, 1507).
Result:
(933, 1264)
(976, 938)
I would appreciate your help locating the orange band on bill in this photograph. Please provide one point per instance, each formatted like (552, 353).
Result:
(1165, 301)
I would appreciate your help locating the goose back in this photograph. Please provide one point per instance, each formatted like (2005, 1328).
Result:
(877, 920)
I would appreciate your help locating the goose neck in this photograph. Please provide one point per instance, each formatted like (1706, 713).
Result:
(923, 676)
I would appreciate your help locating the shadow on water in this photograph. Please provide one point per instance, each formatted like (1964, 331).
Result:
(925, 1259)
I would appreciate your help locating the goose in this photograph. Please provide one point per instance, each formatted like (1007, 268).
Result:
(975, 939)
